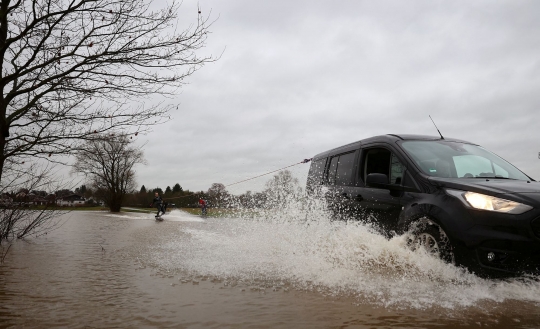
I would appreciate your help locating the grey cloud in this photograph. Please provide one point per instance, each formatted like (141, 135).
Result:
(301, 77)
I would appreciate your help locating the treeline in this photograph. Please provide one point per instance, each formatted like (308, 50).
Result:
(281, 188)
(176, 195)
(216, 196)
(142, 198)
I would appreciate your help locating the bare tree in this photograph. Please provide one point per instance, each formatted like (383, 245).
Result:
(108, 163)
(282, 189)
(218, 195)
(19, 216)
(74, 69)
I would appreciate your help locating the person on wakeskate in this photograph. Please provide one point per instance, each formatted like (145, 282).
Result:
(159, 204)
(202, 204)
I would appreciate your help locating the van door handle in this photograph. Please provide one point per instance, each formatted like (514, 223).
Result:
(358, 198)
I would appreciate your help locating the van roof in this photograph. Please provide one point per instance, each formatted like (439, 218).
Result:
(388, 138)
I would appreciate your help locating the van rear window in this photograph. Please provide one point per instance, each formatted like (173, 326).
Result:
(316, 171)
(345, 169)
(340, 169)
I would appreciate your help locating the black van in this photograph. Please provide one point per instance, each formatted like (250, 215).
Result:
(459, 201)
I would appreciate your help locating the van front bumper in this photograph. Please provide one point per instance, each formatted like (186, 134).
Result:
(511, 248)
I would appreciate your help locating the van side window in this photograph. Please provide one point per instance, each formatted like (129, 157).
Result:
(316, 171)
(408, 180)
(382, 161)
(331, 178)
(345, 169)
(377, 161)
(396, 171)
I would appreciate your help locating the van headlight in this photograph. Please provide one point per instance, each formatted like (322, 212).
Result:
(491, 203)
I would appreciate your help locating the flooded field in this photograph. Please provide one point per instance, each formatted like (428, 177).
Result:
(100, 270)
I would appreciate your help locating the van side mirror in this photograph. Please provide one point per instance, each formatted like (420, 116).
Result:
(377, 180)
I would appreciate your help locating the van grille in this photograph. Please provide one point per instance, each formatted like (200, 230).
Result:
(536, 226)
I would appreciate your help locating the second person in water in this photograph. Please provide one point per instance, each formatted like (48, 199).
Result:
(159, 204)
(202, 204)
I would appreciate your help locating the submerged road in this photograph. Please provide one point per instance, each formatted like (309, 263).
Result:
(102, 270)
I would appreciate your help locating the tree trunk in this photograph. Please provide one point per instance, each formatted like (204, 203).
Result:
(4, 128)
(115, 203)
(2, 159)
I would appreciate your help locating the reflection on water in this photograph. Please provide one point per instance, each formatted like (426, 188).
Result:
(103, 270)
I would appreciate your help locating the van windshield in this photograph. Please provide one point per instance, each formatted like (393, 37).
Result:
(459, 160)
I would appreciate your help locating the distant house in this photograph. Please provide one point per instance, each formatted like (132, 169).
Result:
(21, 194)
(6, 199)
(36, 200)
(73, 200)
(92, 201)
(51, 199)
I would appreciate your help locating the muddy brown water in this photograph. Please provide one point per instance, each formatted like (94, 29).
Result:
(100, 270)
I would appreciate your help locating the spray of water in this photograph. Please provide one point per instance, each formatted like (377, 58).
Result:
(293, 242)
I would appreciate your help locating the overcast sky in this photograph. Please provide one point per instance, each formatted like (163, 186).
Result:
(299, 77)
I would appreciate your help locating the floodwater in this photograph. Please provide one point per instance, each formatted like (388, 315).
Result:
(101, 270)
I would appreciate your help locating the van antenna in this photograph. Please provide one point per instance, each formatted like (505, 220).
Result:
(436, 127)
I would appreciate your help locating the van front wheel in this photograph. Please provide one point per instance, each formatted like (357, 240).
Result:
(433, 240)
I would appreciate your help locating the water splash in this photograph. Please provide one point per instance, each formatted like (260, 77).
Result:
(299, 245)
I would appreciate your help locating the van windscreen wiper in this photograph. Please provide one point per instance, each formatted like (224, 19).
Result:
(493, 177)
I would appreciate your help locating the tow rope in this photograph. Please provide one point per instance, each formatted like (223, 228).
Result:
(248, 179)
(271, 172)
